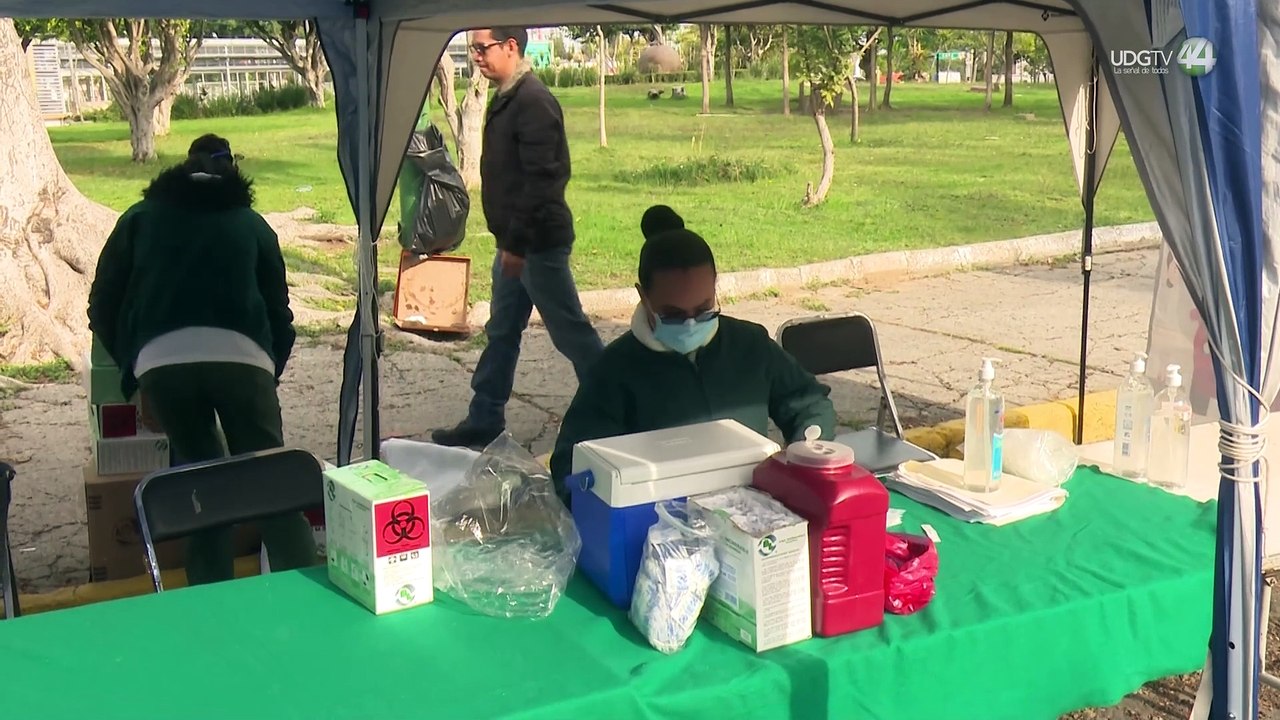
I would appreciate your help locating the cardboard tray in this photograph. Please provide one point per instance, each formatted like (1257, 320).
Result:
(431, 293)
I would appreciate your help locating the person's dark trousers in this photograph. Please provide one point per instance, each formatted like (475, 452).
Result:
(547, 284)
(185, 400)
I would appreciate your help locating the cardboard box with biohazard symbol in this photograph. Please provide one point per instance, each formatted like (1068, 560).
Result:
(378, 536)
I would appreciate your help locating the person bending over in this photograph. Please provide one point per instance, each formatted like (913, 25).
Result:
(190, 300)
(683, 362)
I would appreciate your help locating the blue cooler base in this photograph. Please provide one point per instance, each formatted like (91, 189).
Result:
(612, 542)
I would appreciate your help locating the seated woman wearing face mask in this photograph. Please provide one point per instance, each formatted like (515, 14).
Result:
(684, 363)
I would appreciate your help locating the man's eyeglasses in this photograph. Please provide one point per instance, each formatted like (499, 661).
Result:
(482, 48)
(705, 316)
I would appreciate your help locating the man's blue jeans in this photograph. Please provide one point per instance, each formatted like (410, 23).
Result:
(547, 284)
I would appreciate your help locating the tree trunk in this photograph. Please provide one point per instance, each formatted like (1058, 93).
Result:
(447, 96)
(855, 123)
(728, 66)
(141, 116)
(708, 46)
(604, 140)
(466, 123)
(814, 197)
(991, 50)
(313, 78)
(164, 116)
(803, 98)
(873, 72)
(315, 89)
(139, 82)
(473, 127)
(50, 234)
(1008, 69)
(888, 70)
(786, 74)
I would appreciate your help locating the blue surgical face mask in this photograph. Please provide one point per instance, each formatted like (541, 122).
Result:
(687, 336)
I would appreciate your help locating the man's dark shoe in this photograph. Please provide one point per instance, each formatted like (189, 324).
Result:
(465, 435)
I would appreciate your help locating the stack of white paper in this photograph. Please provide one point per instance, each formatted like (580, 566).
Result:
(939, 484)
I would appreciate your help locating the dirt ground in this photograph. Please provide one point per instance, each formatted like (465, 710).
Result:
(931, 351)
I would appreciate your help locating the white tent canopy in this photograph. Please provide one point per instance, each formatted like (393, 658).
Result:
(1197, 142)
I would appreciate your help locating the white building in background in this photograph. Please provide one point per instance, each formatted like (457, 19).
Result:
(236, 66)
(67, 85)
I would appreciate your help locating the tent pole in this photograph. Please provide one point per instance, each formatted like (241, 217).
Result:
(1086, 250)
(366, 259)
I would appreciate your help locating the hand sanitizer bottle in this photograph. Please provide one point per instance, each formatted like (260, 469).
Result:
(1170, 433)
(984, 433)
(1134, 405)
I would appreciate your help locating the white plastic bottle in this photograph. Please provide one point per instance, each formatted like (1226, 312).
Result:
(1134, 405)
(984, 433)
(1170, 433)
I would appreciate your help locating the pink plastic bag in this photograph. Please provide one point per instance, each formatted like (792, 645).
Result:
(910, 566)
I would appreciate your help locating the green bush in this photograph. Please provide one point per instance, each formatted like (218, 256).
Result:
(190, 107)
(278, 99)
(185, 107)
(110, 113)
(569, 77)
(769, 69)
(709, 170)
(226, 106)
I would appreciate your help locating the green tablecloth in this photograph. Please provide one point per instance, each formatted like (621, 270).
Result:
(1068, 610)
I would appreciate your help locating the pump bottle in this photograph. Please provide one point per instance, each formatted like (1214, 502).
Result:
(1134, 405)
(1170, 433)
(984, 433)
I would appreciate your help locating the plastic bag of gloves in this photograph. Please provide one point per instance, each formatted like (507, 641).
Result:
(1039, 456)
(676, 571)
(502, 542)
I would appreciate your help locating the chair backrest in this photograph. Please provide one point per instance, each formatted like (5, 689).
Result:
(832, 343)
(8, 583)
(180, 501)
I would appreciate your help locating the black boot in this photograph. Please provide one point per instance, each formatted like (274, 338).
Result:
(465, 435)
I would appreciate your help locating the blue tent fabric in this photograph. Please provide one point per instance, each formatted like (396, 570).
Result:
(338, 38)
(1196, 142)
(1229, 109)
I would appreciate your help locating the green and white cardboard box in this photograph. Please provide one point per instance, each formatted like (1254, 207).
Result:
(137, 454)
(761, 596)
(378, 536)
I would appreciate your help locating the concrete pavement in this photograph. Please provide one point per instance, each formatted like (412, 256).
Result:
(933, 332)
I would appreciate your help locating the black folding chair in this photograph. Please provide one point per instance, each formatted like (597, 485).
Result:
(834, 343)
(8, 581)
(181, 501)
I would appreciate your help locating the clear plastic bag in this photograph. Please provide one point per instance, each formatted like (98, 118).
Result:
(503, 542)
(677, 569)
(1039, 456)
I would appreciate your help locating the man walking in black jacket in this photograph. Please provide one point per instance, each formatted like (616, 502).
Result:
(524, 169)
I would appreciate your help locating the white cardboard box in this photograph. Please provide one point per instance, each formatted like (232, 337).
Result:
(378, 536)
(761, 596)
(140, 454)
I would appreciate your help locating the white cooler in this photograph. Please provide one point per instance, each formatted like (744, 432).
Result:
(614, 509)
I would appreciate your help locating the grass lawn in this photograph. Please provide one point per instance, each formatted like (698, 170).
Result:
(937, 170)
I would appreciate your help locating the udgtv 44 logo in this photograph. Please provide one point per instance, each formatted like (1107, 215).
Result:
(1195, 57)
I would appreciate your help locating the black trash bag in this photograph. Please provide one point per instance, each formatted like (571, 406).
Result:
(434, 203)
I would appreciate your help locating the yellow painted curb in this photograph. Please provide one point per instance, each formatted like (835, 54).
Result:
(947, 439)
(89, 593)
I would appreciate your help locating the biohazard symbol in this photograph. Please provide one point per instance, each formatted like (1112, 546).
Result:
(405, 524)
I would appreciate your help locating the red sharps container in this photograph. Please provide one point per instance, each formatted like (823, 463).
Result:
(846, 508)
